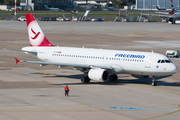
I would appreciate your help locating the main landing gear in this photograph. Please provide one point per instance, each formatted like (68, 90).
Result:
(85, 79)
(154, 83)
(113, 77)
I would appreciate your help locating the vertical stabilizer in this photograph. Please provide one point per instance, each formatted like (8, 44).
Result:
(172, 6)
(36, 35)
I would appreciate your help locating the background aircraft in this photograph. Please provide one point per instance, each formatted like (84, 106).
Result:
(52, 9)
(159, 8)
(172, 15)
(111, 8)
(96, 64)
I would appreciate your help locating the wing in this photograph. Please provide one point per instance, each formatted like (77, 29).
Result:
(165, 13)
(159, 15)
(63, 64)
(115, 68)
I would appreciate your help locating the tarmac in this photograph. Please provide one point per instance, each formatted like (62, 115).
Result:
(28, 91)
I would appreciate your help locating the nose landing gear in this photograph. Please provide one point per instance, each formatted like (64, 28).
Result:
(154, 83)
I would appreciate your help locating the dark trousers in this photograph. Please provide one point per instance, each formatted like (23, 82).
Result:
(66, 92)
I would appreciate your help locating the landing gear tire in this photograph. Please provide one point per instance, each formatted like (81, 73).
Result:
(173, 21)
(154, 83)
(113, 77)
(85, 80)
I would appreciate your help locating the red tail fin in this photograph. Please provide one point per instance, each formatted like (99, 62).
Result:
(36, 35)
(172, 11)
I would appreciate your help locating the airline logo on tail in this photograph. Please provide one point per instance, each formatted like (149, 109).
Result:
(36, 35)
(172, 6)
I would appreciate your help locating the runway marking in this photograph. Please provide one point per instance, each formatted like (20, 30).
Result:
(134, 34)
(141, 108)
(160, 90)
(161, 115)
(157, 89)
(84, 106)
(60, 110)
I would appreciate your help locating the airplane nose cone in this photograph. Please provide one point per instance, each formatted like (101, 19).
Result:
(174, 69)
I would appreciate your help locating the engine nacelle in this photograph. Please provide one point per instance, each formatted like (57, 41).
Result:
(98, 74)
(140, 76)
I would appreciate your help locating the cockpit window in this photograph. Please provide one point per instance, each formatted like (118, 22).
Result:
(167, 61)
(163, 61)
(159, 61)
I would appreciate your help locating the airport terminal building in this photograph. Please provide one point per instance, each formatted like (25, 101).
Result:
(151, 4)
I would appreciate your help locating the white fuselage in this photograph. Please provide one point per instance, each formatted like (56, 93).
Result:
(130, 62)
(176, 14)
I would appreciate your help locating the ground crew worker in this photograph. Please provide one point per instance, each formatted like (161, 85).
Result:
(66, 90)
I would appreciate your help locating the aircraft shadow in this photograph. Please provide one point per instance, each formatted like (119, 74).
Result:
(78, 76)
(121, 81)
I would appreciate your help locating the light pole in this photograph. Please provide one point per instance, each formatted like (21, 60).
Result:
(15, 9)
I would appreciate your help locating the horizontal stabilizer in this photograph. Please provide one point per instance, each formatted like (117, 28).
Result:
(17, 61)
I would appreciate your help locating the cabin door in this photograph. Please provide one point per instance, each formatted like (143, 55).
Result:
(148, 62)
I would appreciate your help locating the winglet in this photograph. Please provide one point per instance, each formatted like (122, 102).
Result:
(17, 61)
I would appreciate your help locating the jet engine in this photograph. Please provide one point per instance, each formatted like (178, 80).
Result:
(140, 76)
(98, 74)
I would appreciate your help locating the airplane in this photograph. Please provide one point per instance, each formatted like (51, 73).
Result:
(159, 8)
(96, 64)
(52, 9)
(111, 8)
(172, 15)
